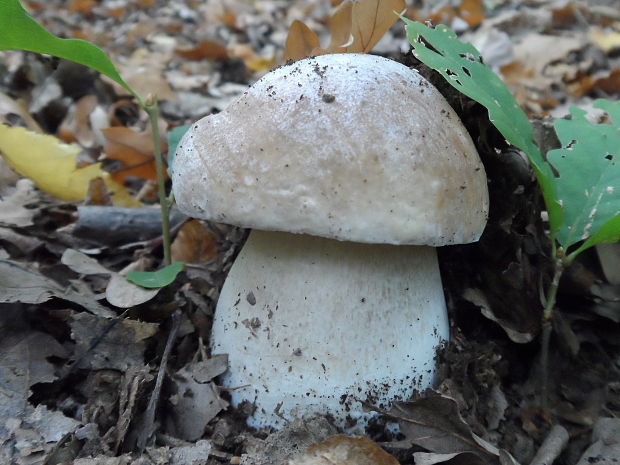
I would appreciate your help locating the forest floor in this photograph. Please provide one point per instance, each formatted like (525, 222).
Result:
(81, 349)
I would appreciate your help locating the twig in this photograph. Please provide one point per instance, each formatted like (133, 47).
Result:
(149, 416)
(552, 447)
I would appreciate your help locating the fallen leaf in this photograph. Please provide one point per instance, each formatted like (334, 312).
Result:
(121, 347)
(434, 423)
(20, 284)
(23, 363)
(84, 7)
(605, 39)
(205, 49)
(119, 292)
(11, 109)
(355, 27)
(134, 150)
(195, 403)
(300, 42)
(82, 263)
(51, 164)
(144, 73)
(193, 243)
(606, 443)
(370, 19)
(84, 123)
(340, 25)
(586, 84)
(12, 207)
(472, 11)
(345, 450)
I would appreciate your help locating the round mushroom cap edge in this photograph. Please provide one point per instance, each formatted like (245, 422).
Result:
(352, 147)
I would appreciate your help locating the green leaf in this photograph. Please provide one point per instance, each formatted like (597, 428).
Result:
(18, 31)
(588, 185)
(174, 137)
(155, 279)
(461, 65)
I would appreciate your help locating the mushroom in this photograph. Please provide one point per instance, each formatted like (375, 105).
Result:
(350, 169)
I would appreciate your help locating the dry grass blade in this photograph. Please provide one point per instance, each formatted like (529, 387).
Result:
(370, 20)
(300, 42)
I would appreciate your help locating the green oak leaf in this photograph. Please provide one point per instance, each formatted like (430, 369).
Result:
(461, 65)
(18, 31)
(155, 279)
(588, 186)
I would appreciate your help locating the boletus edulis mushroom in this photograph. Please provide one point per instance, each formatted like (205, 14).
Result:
(350, 169)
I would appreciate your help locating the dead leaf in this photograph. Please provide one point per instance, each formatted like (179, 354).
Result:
(340, 25)
(144, 72)
(134, 150)
(472, 11)
(15, 112)
(82, 263)
(300, 42)
(20, 284)
(370, 19)
(193, 243)
(98, 194)
(345, 450)
(23, 363)
(606, 443)
(12, 207)
(122, 346)
(607, 40)
(435, 423)
(119, 292)
(84, 122)
(195, 403)
(205, 49)
(586, 84)
(84, 7)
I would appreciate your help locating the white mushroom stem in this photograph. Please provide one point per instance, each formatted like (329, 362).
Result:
(315, 325)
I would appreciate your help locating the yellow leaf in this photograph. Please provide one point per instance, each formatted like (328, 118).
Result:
(605, 40)
(370, 20)
(300, 42)
(51, 164)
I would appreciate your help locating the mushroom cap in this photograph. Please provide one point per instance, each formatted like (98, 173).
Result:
(347, 146)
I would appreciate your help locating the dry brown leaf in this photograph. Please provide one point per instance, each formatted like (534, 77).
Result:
(83, 122)
(370, 20)
(133, 149)
(586, 84)
(345, 450)
(340, 26)
(472, 12)
(206, 49)
(300, 42)
(194, 243)
(98, 193)
(84, 7)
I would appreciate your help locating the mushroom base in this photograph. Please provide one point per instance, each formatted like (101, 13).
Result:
(318, 326)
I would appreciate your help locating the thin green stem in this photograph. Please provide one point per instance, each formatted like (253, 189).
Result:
(150, 106)
(547, 326)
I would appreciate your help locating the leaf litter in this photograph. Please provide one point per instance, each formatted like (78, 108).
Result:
(494, 284)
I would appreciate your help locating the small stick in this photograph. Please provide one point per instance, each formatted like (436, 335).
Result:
(552, 447)
(149, 416)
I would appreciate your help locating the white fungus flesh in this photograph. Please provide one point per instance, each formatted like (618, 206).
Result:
(365, 153)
